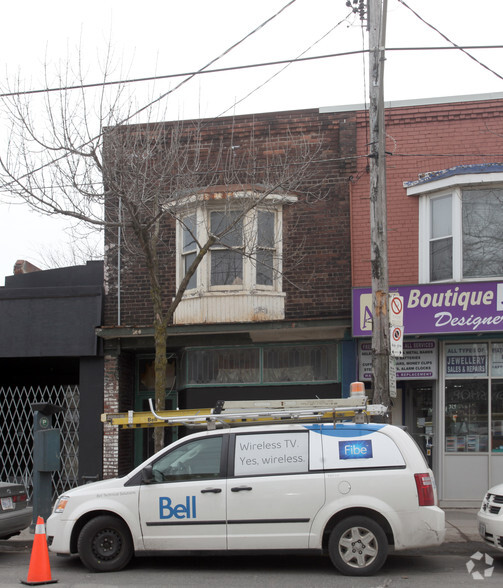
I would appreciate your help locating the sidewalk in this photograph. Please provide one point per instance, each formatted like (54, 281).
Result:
(460, 523)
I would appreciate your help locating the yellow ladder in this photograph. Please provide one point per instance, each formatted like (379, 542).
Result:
(229, 413)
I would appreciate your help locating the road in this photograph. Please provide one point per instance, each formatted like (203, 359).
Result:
(445, 567)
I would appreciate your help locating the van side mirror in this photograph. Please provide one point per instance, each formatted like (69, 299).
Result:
(147, 475)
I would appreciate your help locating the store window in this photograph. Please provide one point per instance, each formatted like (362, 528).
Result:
(474, 398)
(268, 364)
(466, 422)
(497, 416)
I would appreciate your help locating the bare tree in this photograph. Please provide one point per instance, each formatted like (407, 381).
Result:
(79, 157)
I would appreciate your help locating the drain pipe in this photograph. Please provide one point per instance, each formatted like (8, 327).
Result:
(119, 236)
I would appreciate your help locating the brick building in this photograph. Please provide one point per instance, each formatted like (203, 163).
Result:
(445, 209)
(256, 329)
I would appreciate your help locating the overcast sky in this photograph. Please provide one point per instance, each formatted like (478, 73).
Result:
(159, 37)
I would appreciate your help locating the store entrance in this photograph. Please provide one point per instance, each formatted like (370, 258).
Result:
(418, 415)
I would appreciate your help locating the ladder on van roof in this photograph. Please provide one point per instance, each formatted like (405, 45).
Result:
(228, 413)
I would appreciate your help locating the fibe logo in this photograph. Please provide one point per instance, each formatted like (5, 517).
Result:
(178, 511)
(355, 449)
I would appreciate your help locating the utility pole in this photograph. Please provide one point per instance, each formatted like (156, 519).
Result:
(378, 210)
(375, 12)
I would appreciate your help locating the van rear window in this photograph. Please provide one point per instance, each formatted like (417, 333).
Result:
(352, 448)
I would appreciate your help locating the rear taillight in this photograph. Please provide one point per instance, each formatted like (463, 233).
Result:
(19, 498)
(425, 490)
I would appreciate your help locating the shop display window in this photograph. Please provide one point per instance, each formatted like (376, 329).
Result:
(466, 416)
(497, 416)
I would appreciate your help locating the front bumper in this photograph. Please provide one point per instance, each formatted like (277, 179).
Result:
(491, 528)
(59, 533)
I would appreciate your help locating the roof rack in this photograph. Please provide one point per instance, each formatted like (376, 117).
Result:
(228, 413)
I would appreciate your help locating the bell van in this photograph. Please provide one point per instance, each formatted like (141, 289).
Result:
(352, 491)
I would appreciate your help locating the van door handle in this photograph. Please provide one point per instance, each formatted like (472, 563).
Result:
(214, 490)
(241, 488)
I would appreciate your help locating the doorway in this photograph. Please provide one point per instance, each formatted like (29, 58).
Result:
(418, 415)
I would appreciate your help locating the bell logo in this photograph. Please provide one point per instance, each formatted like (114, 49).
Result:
(177, 511)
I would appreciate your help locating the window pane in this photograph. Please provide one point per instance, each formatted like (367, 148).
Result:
(189, 230)
(198, 460)
(466, 360)
(265, 222)
(310, 363)
(482, 241)
(226, 268)
(224, 366)
(466, 425)
(188, 260)
(497, 416)
(441, 217)
(220, 220)
(264, 268)
(441, 260)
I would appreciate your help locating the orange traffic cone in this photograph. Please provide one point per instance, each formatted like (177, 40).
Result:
(40, 570)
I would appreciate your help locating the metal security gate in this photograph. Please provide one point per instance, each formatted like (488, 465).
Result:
(16, 434)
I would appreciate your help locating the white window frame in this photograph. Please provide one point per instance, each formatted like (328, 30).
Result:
(436, 189)
(203, 207)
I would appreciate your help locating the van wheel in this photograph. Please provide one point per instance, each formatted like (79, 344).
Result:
(105, 544)
(358, 546)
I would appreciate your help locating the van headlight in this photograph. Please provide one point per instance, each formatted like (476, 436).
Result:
(61, 503)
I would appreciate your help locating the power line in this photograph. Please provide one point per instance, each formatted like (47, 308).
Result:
(152, 102)
(455, 45)
(287, 62)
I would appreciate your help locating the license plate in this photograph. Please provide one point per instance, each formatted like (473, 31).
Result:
(482, 529)
(7, 503)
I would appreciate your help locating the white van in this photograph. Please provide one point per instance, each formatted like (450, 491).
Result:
(349, 490)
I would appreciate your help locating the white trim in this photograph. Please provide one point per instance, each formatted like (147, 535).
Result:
(456, 180)
(416, 102)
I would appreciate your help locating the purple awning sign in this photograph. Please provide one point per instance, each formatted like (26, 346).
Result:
(435, 309)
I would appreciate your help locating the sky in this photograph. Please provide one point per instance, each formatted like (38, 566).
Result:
(160, 37)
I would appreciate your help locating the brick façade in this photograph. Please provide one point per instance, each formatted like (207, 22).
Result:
(420, 138)
(317, 281)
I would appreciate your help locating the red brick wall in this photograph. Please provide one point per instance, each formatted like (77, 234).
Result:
(420, 139)
(317, 280)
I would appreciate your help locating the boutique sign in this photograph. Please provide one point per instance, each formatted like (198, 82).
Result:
(436, 309)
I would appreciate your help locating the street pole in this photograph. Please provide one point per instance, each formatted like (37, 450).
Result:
(378, 222)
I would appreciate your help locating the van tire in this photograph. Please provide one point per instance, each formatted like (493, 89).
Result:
(105, 544)
(358, 546)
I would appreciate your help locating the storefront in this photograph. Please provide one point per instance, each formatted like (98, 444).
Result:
(449, 390)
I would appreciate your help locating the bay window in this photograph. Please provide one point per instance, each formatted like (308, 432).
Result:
(460, 219)
(243, 264)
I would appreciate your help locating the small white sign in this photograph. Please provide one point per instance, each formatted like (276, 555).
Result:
(396, 310)
(275, 453)
(392, 377)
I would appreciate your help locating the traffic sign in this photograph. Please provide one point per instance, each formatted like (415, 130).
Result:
(396, 341)
(396, 310)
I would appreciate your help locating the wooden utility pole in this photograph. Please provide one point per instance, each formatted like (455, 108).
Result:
(378, 224)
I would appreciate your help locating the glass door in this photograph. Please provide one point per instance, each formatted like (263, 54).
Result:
(418, 416)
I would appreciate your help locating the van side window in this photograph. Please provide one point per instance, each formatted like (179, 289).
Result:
(197, 460)
(271, 453)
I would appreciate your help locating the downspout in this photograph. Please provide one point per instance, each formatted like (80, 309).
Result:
(119, 236)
